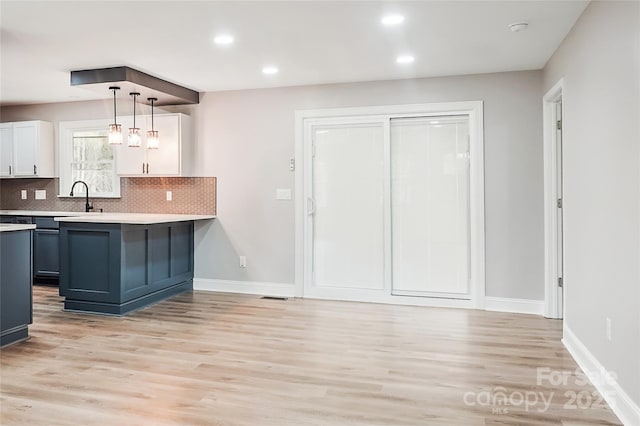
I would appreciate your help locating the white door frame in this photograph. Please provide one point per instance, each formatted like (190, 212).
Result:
(474, 109)
(553, 302)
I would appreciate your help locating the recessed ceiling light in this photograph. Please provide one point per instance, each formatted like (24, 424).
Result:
(405, 59)
(269, 70)
(223, 39)
(518, 26)
(390, 20)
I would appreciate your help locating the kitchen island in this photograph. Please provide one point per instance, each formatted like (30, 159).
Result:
(115, 263)
(45, 240)
(15, 282)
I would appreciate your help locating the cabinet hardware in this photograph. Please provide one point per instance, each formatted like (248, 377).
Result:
(142, 168)
(9, 169)
(35, 170)
(147, 168)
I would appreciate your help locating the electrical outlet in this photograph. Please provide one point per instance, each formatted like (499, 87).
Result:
(23, 194)
(608, 329)
(243, 261)
(41, 194)
(169, 195)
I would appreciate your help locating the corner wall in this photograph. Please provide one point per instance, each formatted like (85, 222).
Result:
(600, 63)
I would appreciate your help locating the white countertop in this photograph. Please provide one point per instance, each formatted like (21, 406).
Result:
(39, 213)
(133, 218)
(8, 227)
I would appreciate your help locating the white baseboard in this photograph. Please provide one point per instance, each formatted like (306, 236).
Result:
(246, 287)
(620, 402)
(518, 306)
(499, 304)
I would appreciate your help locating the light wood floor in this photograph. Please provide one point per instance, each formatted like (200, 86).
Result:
(221, 359)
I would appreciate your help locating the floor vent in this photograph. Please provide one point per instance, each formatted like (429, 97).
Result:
(274, 298)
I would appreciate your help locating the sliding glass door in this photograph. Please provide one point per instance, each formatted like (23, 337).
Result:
(388, 207)
(430, 206)
(348, 176)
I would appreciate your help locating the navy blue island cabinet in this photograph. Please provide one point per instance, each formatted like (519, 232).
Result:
(16, 312)
(116, 268)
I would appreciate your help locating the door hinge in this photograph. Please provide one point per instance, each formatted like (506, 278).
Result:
(560, 282)
(559, 203)
(559, 124)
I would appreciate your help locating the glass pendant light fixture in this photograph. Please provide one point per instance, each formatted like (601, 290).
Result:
(115, 129)
(153, 141)
(134, 132)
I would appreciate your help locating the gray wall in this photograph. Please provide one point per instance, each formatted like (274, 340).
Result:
(600, 63)
(245, 138)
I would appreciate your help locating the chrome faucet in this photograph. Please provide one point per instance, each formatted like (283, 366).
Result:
(87, 207)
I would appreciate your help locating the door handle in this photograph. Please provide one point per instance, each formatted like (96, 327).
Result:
(311, 206)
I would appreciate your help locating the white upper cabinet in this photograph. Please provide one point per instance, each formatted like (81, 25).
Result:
(26, 149)
(170, 159)
(6, 150)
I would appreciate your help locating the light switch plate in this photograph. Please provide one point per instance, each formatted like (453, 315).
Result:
(23, 194)
(169, 195)
(283, 194)
(41, 194)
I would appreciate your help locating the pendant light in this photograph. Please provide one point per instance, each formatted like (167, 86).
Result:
(115, 129)
(153, 141)
(134, 132)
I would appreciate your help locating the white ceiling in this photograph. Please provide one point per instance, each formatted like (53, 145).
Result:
(311, 42)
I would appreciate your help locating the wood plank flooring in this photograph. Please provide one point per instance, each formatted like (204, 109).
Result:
(222, 359)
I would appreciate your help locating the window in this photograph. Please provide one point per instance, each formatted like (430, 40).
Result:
(85, 154)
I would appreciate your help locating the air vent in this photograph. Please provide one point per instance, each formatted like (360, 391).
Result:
(275, 298)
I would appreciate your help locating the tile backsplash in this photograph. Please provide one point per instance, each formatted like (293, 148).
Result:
(192, 195)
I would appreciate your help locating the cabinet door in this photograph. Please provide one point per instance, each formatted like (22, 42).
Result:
(166, 159)
(15, 291)
(46, 261)
(6, 150)
(25, 142)
(131, 160)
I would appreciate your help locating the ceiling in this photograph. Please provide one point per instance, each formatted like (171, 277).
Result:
(311, 42)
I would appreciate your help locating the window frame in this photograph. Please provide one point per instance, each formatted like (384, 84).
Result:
(65, 157)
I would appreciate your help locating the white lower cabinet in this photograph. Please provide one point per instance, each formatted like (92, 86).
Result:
(170, 159)
(26, 149)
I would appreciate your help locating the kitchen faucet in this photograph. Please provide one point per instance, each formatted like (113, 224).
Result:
(87, 207)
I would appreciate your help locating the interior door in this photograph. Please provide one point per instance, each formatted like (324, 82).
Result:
(560, 242)
(430, 207)
(346, 210)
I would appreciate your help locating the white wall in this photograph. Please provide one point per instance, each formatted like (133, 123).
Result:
(247, 137)
(600, 63)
